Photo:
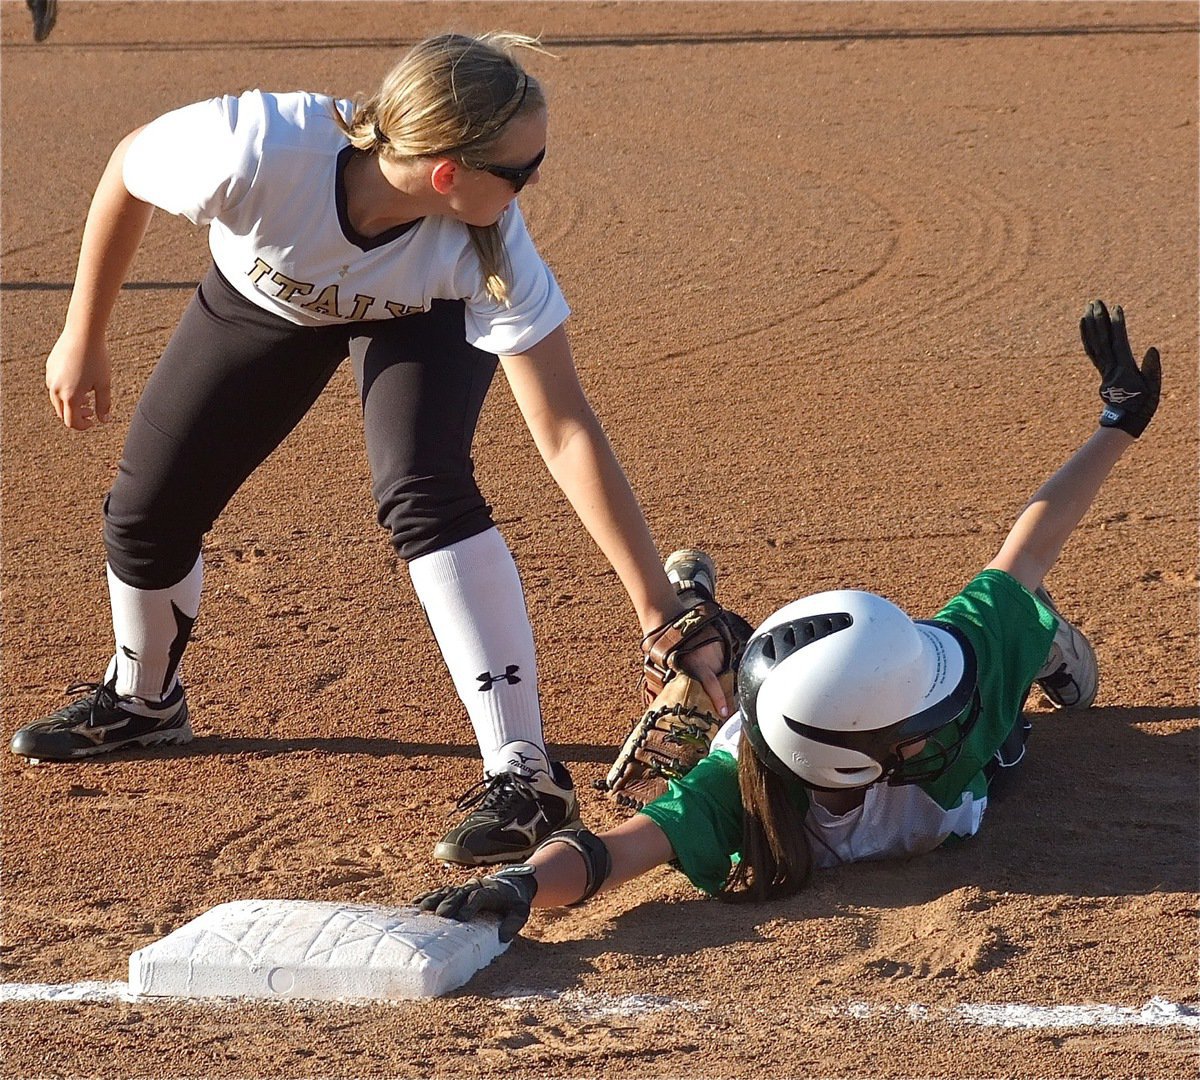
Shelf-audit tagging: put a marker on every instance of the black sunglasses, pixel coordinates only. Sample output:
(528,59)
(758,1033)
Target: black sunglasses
(518,177)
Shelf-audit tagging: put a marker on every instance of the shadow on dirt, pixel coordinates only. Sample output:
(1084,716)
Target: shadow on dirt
(1054,832)
(217,746)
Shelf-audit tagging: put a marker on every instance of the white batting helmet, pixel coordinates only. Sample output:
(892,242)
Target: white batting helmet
(833,686)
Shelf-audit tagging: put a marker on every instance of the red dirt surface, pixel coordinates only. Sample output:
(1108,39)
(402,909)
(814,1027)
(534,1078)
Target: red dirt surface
(826,263)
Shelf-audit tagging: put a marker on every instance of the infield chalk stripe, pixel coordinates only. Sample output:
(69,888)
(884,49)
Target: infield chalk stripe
(598,1006)
(1157,1012)
(80,991)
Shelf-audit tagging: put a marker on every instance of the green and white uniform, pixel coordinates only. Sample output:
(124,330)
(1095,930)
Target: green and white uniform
(1011,631)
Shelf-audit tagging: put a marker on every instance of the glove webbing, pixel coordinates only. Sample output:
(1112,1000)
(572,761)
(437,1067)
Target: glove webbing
(703,727)
(594,852)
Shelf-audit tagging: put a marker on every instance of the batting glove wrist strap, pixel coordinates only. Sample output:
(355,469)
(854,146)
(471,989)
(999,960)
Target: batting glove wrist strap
(520,879)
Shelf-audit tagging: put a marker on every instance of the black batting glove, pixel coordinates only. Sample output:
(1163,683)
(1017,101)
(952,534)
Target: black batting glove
(508,893)
(1130,393)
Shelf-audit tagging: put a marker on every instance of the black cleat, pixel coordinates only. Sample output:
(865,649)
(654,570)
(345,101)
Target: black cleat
(510,814)
(101,722)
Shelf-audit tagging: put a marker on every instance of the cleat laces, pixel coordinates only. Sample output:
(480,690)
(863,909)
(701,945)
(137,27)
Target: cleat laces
(102,695)
(504,792)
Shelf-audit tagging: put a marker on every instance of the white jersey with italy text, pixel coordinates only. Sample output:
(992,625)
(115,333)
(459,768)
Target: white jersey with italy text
(264,173)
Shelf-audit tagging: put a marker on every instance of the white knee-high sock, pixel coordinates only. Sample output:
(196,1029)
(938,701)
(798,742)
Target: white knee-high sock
(151,628)
(473,599)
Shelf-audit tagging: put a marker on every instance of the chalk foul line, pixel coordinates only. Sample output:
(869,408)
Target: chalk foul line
(1158,1012)
(79,991)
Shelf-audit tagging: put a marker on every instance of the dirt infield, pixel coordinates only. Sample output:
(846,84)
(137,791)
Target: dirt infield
(826,263)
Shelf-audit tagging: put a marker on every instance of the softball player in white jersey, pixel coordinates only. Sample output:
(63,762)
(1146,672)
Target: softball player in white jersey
(386,230)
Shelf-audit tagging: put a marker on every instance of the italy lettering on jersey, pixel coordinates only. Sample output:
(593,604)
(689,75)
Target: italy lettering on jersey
(327,300)
(265,173)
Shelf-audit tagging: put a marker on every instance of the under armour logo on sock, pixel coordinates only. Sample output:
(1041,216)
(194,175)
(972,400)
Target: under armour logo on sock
(509,675)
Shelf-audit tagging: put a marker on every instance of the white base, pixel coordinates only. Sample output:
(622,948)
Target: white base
(301,949)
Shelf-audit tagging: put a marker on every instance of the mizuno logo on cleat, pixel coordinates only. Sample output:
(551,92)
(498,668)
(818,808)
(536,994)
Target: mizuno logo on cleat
(525,764)
(98,733)
(529,829)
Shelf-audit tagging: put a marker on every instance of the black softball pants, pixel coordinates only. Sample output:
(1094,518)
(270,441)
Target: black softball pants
(234,381)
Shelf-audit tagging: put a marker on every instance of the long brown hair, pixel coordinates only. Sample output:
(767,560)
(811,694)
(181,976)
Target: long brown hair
(451,94)
(776,857)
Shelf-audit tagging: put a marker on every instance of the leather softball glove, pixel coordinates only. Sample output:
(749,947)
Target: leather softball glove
(669,739)
(664,650)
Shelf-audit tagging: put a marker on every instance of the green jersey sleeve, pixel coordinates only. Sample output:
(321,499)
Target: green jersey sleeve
(701,813)
(1011,632)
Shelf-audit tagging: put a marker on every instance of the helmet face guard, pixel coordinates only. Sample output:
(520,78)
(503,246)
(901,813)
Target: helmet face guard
(835,742)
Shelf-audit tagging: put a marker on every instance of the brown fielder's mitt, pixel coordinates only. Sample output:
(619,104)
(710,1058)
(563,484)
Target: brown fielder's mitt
(706,621)
(673,735)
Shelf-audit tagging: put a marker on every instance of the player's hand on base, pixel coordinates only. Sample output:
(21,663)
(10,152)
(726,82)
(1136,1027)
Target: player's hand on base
(508,893)
(79,382)
(1130,393)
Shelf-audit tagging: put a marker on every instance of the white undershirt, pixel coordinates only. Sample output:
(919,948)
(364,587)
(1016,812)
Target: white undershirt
(891,822)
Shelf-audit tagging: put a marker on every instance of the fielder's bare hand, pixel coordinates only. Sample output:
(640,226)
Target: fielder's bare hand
(78,378)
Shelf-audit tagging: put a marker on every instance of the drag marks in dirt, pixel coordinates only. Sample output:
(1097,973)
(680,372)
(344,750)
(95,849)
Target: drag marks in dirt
(992,239)
(278,845)
(554,215)
(574,1028)
(897,232)
(851,241)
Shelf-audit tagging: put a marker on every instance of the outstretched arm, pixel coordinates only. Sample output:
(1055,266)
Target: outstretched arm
(558,874)
(1130,395)
(580,458)
(635,847)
